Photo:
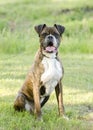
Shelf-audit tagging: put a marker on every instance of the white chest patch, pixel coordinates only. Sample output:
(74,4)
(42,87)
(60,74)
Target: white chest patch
(52,74)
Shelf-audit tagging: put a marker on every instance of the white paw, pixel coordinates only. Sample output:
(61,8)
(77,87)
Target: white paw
(65,117)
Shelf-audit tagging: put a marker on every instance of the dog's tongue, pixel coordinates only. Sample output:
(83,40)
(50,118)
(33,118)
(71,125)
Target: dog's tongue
(51,49)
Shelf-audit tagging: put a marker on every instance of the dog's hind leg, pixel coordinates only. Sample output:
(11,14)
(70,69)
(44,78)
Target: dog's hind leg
(19,104)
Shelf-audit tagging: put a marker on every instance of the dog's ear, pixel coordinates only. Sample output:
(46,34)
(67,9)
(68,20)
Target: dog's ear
(39,28)
(60,28)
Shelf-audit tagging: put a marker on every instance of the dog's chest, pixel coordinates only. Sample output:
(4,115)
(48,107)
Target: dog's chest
(52,74)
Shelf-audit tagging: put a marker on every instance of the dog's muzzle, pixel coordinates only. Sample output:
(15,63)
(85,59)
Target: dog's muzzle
(51,44)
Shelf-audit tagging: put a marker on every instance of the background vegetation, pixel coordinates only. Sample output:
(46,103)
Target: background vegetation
(17,20)
(19,43)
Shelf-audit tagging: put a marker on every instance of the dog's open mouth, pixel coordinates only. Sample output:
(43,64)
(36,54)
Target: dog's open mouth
(51,49)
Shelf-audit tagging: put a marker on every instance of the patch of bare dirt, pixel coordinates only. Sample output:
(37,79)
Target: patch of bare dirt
(85,9)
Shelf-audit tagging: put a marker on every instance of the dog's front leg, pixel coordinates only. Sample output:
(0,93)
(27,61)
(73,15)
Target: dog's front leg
(36,95)
(59,95)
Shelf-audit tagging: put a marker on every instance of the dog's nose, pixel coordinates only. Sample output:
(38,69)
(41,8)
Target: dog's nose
(50,38)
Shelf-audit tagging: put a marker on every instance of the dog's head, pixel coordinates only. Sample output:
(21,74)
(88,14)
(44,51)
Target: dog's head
(50,37)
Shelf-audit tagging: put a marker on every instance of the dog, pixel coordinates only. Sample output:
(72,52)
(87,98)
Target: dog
(45,75)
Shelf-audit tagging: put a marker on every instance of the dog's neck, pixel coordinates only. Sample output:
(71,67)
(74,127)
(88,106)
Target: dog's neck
(49,55)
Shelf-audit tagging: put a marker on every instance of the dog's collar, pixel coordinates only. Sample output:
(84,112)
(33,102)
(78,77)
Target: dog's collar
(49,55)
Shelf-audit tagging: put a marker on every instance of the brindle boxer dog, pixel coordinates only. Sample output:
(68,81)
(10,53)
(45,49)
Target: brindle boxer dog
(45,75)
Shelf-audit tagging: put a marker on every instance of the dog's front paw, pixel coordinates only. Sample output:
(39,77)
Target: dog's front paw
(39,118)
(65,117)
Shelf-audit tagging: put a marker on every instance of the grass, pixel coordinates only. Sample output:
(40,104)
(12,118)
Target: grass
(18,44)
(16,25)
(78,95)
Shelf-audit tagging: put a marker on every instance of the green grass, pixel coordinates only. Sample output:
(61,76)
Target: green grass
(17,21)
(18,44)
(78,95)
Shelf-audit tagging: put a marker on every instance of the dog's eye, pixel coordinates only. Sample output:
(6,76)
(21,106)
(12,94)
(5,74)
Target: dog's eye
(44,34)
(56,34)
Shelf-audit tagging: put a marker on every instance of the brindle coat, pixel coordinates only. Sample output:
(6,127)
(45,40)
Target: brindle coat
(31,90)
